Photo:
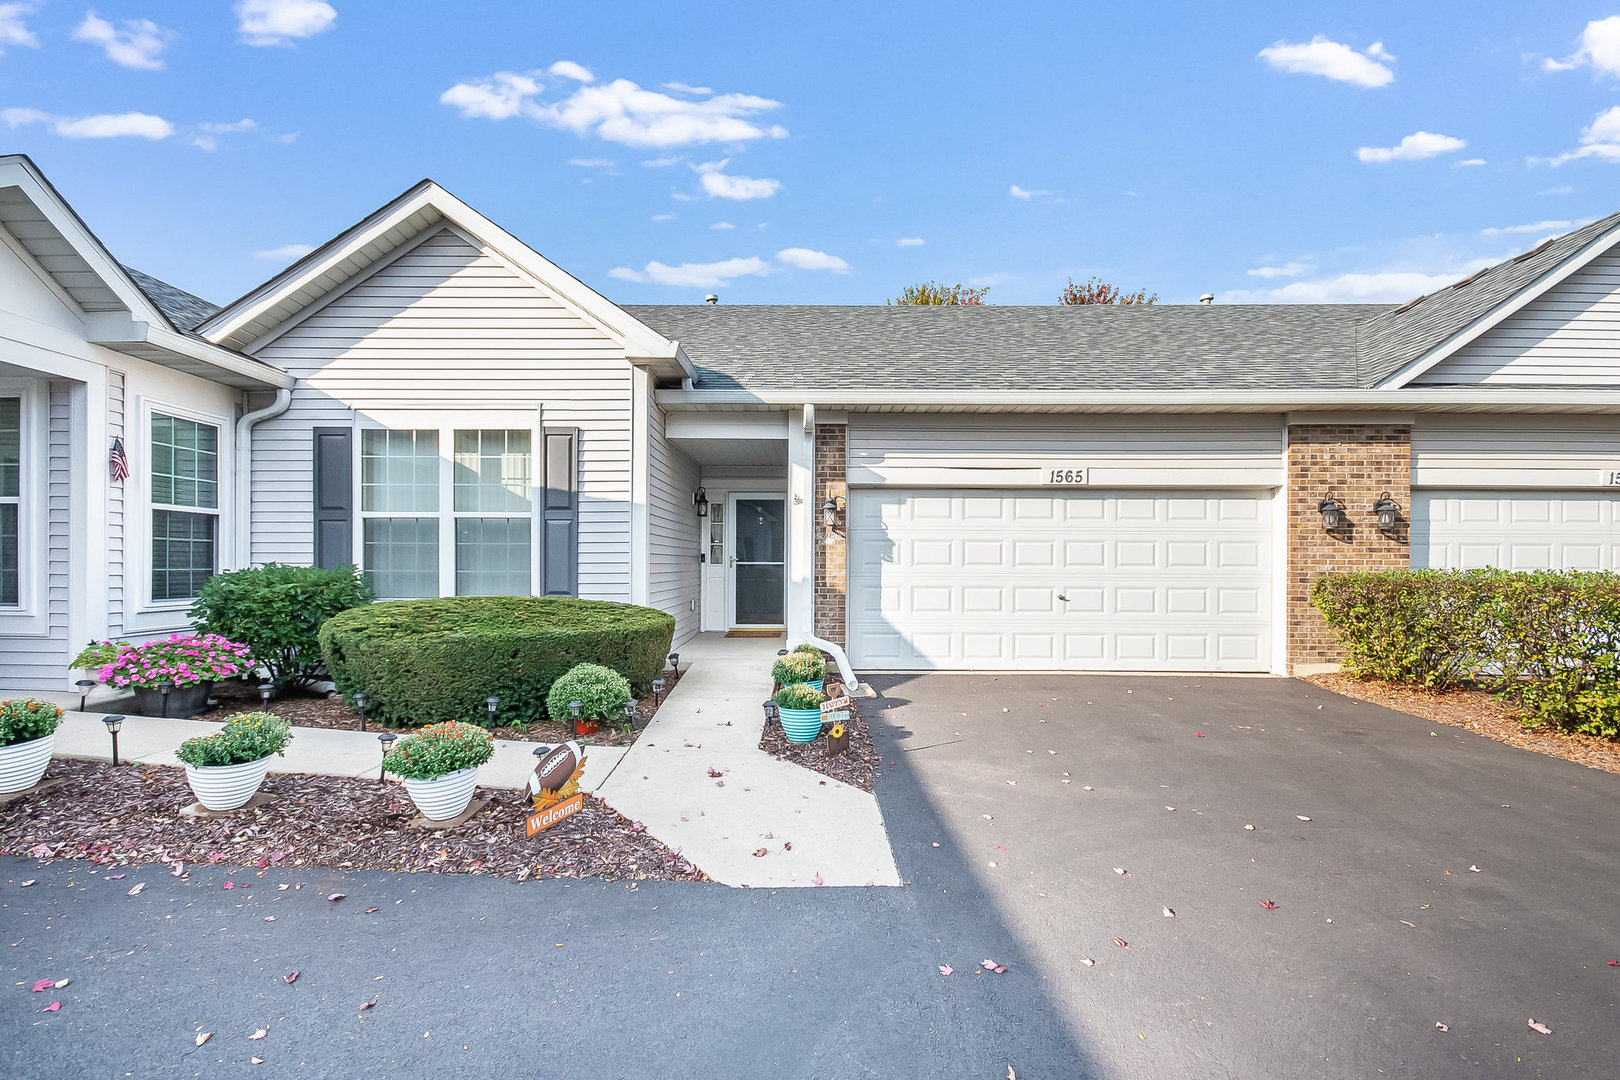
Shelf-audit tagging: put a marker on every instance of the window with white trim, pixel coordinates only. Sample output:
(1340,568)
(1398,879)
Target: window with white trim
(185,506)
(10,501)
(415,540)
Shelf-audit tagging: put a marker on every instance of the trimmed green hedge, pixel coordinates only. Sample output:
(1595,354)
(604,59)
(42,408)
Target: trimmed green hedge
(428,661)
(1547,641)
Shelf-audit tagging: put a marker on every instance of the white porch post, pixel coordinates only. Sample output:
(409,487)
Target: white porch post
(87,511)
(801,525)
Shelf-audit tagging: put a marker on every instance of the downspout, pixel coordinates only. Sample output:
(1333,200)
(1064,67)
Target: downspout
(244,473)
(847,673)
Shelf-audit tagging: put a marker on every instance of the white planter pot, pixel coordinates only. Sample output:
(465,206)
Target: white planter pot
(226,787)
(22,764)
(443,797)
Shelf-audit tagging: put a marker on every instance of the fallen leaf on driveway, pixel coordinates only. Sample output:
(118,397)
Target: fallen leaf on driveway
(1121,871)
(1248,828)
(136,891)
(815,879)
(1120,942)
(255,1061)
(945,969)
(1171,809)
(261,1033)
(1302,817)
(1198,734)
(1088,961)
(204,1036)
(52,1007)
(760,853)
(722,783)
(713,772)
(991,965)
(62,982)
(44,984)
(1169,913)
(364,1005)
(177,869)
(369,910)
(335,896)
(1535,1025)
(229,885)
(290,978)
(269,918)
(1475,870)
(1440,1027)
(1269,905)
(936,843)
(1614,963)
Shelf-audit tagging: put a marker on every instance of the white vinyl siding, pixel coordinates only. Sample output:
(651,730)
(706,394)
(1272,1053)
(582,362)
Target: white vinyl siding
(674,577)
(1514,451)
(1059,580)
(1516,530)
(448,326)
(1569,336)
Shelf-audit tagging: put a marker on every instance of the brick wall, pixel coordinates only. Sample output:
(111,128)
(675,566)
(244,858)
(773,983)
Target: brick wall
(831,543)
(1355,463)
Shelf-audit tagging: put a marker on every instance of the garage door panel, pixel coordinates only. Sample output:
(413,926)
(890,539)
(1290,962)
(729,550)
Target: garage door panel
(1516,530)
(1148,580)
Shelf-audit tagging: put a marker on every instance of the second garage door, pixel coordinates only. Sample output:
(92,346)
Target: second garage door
(1060,580)
(1515,530)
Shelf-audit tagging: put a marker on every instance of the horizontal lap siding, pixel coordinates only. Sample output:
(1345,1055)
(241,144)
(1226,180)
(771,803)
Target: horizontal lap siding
(674,544)
(449,325)
(1568,337)
(1557,451)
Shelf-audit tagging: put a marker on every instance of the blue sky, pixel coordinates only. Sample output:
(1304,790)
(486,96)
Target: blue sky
(834,152)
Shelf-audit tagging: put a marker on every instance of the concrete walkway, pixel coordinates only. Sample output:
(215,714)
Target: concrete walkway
(323,751)
(712,721)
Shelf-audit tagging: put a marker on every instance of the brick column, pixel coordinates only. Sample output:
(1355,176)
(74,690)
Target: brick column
(831,543)
(1354,463)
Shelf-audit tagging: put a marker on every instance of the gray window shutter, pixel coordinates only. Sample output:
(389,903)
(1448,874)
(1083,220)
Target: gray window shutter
(334,497)
(559,515)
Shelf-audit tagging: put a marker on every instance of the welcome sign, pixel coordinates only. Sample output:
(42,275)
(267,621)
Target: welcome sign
(554,813)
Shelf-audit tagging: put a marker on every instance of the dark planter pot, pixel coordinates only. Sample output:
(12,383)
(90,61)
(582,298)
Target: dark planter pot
(183,701)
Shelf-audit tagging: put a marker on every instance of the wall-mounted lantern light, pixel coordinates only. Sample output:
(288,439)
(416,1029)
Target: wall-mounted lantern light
(831,508)
(1332,512)
(1388,511)
(700,499)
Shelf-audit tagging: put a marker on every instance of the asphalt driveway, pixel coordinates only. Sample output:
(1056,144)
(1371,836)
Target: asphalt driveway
(1382,928)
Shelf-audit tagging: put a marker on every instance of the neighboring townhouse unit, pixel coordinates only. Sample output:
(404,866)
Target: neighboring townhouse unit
(1015,488)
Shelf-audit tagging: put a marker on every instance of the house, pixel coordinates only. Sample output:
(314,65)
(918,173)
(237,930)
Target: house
(1013,488)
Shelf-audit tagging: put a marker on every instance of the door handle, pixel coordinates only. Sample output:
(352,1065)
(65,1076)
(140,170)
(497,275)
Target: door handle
(733,561)
(1063,598)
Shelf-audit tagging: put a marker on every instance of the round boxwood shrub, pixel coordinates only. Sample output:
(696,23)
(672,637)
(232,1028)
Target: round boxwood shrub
(799,667)
(601,693)
(430,661)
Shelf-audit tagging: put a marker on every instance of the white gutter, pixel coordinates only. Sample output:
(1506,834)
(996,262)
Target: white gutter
(1483,399)
(244,473)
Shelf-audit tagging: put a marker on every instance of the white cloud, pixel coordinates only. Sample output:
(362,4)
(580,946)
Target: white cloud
(722,226)
(1022,193)
(683,88)
(810,259)
(284,253)
(719,185)
(13,30)
(138,45)
(663,162)
(694,275)
(1387,287)
(1415,147)
(1292,269)
(1564,190)
(1468,163)
(277,22)
(591,163)
(663,217)
(1599,139)
(1600,48)
(206,135)
(1533,227)
(910,241)
(567,69)
(103,126)
(619,111)
(1332,60)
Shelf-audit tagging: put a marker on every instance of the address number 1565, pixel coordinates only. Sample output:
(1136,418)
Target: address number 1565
(1057,474)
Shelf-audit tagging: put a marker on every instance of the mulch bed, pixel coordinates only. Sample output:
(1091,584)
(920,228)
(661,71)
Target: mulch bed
(856,767)
(131,814)
(1480,712)
(306,708)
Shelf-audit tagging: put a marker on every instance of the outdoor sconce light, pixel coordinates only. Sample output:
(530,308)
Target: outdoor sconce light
(166,687)
(675,662)
(494,703)
(700,499)
(1332,512)
(85,686)
(265,690)
(574,708)
(1389,514)
(113,722)
(387,739)
(658,690)
(831,508)
(360,707)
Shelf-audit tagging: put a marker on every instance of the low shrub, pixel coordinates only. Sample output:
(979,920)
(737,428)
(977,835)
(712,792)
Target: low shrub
(799,696)
(805,646)
(600,691)
(277,610)
(798,667)
(27,719)
(244,737)
(438,750)
(429,661)
(1548,641)
(186,659)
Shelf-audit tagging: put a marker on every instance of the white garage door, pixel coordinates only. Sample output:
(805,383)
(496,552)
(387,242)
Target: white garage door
(1071,580)
(1515,530)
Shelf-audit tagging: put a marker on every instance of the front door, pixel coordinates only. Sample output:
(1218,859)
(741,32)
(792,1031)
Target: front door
(758,561)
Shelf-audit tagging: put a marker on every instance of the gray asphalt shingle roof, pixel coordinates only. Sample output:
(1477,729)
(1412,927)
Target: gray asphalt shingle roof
(183,309)
(1275,346)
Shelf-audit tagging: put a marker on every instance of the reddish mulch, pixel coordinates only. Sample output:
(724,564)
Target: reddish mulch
(130,814)
(856,767)
(305,708)
(1480,712)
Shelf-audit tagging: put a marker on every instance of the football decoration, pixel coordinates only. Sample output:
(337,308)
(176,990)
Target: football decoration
(556,774)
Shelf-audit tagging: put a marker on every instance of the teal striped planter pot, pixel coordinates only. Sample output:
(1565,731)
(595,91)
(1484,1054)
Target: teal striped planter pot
(817,684)
(800,725)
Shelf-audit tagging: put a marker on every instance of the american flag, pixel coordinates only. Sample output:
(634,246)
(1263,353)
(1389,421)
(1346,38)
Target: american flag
(118,462)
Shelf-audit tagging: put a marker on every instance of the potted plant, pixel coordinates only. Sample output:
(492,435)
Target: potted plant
(600,691)
(798,706)
(800,667)
(227,767)
(187,665)
(95,656)
(439,766)
(27,734)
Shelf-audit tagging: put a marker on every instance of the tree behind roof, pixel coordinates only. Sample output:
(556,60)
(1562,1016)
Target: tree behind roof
(933,294)
(1097,291)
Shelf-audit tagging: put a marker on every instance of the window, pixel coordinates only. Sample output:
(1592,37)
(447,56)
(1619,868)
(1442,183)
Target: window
(485,524)
(185,506)
(10,500)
